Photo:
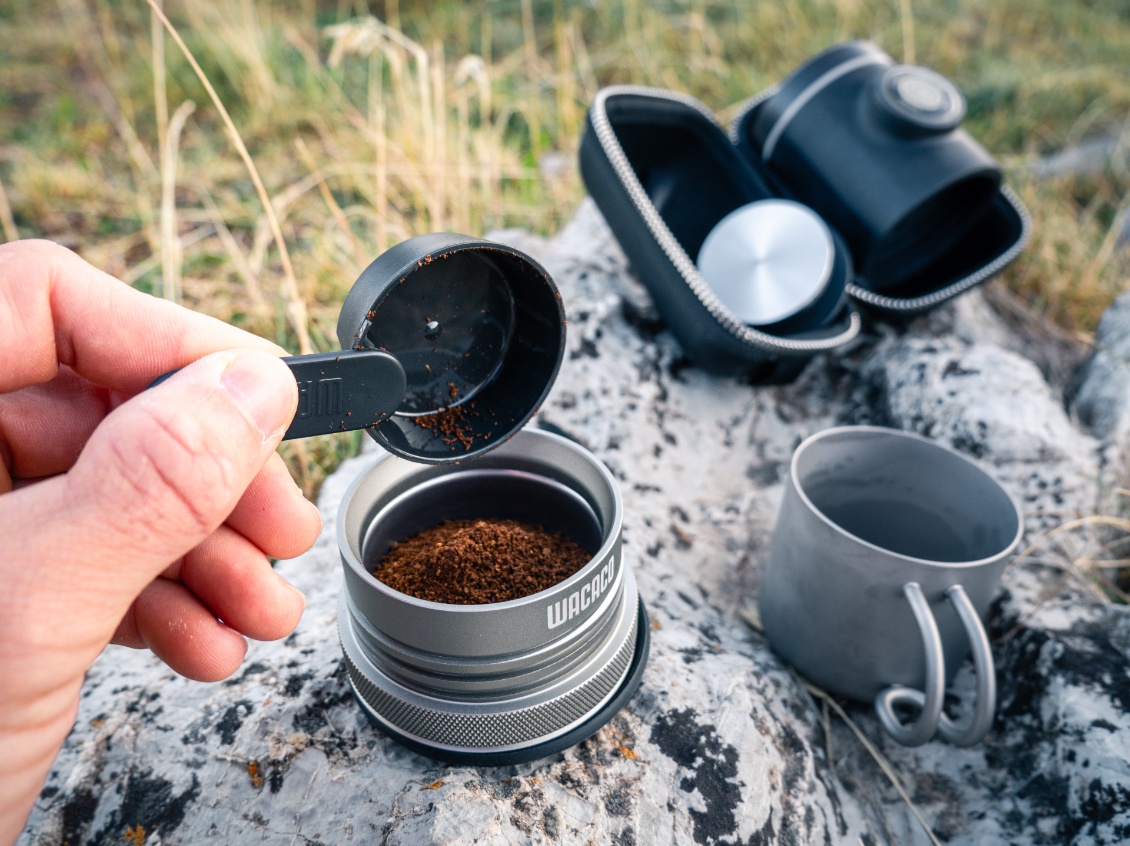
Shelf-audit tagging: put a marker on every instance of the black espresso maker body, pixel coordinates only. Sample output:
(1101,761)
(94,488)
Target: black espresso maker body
(877,150)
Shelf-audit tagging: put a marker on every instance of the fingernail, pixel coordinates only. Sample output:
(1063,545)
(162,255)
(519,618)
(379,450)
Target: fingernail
(234,636)
(321,520)
(293,588)
(258,383)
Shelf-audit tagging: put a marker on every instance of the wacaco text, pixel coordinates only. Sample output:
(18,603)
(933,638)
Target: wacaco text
(566,609)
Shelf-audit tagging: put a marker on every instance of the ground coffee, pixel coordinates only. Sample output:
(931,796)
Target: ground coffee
(451,425)
(473,562)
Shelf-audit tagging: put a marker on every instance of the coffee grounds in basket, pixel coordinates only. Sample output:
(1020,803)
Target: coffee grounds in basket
(473,562)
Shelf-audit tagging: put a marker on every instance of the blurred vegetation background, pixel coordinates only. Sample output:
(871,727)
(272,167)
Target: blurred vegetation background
(368,122)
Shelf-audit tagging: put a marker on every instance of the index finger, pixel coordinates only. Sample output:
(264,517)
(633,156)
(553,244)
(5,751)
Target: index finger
(58,309)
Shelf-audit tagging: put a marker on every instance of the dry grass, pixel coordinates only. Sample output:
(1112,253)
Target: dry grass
(364,125)
(829,703)
(1091,551)
(828,706)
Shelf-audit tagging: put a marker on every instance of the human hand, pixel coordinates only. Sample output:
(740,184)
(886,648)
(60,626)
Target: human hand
(143,519)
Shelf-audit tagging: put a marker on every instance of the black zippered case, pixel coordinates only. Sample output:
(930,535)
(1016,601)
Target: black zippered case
(663,172)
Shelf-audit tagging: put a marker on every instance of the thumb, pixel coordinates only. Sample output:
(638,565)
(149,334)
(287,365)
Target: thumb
(164,470)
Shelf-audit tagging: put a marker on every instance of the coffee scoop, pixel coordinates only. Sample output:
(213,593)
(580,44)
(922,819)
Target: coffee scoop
(450,344)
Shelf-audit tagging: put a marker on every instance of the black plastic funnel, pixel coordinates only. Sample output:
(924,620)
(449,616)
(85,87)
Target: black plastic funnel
(479,330)
(450,345)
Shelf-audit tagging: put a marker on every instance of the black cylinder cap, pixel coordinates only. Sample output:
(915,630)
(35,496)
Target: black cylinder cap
(479,329)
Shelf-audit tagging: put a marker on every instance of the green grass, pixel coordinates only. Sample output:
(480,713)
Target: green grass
(365,133)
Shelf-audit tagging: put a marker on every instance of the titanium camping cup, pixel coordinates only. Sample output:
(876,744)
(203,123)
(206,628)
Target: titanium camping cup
(478,329)
(887,550)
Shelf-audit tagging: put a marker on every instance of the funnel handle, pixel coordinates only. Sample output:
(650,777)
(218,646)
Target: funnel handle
(340,391)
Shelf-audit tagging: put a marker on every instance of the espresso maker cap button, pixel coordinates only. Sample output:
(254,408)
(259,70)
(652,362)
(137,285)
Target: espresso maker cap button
(921,98)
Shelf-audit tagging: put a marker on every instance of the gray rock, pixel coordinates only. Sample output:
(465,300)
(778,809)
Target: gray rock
(1102,398)
(1087,158)
(723,744)
(1106,152)
(991,404)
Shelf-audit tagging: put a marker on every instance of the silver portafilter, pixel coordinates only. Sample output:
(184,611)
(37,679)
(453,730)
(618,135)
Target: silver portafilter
(503,682)
(479,331)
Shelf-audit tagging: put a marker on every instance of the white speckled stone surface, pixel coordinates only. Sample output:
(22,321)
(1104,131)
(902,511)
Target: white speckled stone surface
(722,744)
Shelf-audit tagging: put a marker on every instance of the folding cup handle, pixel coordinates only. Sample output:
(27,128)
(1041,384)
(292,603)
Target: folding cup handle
(930,702)
(932,718)
(973,729)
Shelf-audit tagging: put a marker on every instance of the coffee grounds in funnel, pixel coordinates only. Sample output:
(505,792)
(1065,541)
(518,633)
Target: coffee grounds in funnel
(474,562)
(451,425)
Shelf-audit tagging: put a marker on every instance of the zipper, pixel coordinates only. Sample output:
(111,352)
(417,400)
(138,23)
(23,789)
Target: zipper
(674,250)
(983,274)
(909,305)
(747,107)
